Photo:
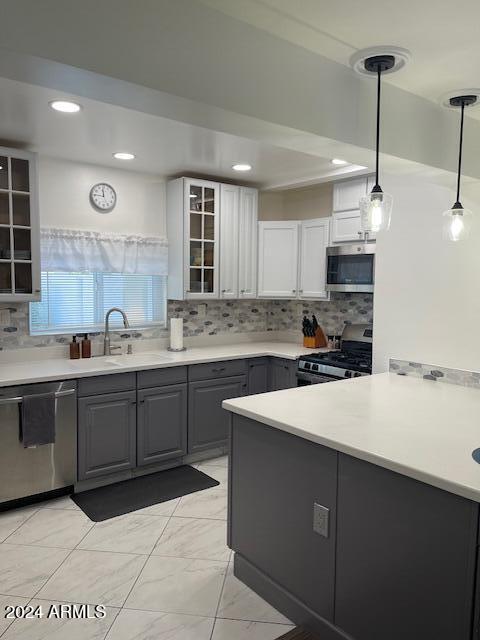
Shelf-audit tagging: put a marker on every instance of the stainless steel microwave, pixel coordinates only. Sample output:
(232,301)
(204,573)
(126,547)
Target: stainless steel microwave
(351,267)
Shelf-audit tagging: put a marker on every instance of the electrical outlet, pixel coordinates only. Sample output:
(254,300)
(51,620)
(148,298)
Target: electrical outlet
(5,317)
(202,311)
(320,519)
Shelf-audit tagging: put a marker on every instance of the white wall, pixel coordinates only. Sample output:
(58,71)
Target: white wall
(427,302)
(296,204)
(64,189)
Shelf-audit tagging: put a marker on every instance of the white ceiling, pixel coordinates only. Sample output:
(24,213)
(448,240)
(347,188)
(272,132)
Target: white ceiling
(443,36)
(162,146)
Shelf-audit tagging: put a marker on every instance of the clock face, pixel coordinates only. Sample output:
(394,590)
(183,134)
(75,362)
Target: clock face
(103,197)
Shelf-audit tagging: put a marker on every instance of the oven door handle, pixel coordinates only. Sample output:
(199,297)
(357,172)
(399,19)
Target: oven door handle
(19,399)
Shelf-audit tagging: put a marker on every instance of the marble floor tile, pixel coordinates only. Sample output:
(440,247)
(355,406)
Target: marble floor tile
(243,630)
(53,528)
(11,520)
(130,533)
(178,585)
(149,625)
(161,509)
(221,461)
(217,473)
(13,601)
(65,502)
(94,576)
(209,503)
(239,602)
(23,570)
(51,628)
(194,538)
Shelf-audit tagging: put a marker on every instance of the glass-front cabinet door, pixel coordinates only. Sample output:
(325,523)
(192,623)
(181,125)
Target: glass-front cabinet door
(19,233)
(202,229)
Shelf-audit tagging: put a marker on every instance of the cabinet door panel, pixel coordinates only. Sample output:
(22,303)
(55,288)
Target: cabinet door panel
(258,376)
(347,194)
(208,423)
(229,239)
(106,434)
(392,531)
(276,479)
(313,258)
(162,424)
(346,226)
(278,259)
(247,241)
(282,374)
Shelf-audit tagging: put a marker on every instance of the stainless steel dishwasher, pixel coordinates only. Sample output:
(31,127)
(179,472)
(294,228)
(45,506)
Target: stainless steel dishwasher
(30,472)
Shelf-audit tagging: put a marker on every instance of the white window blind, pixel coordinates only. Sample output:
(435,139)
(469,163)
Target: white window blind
(76,302)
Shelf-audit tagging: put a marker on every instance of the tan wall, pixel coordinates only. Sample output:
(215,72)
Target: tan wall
(296,204)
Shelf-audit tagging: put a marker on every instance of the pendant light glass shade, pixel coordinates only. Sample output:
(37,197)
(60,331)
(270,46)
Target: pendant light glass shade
(375,211)
(456,224)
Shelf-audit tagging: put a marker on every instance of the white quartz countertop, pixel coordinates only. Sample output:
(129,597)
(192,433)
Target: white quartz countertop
(423,429)
(63,369)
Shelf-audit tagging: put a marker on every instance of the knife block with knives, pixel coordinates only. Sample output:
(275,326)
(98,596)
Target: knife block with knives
(313,335)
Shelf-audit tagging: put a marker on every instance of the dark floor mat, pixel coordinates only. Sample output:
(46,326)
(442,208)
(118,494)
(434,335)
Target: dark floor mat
(127,496)
(299,633)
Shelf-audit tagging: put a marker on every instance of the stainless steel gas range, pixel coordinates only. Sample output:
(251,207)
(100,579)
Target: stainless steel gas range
(353,360)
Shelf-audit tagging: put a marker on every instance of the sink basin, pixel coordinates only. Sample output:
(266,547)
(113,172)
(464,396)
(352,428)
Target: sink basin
(136,359)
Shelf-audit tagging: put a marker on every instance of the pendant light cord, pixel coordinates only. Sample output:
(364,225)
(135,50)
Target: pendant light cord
(377,152)
(460,150)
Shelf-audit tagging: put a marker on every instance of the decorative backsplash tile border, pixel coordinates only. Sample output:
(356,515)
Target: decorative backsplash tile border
(435,373)
(212,318)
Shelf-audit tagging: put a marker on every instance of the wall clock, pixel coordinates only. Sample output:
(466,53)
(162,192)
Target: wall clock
(103,197)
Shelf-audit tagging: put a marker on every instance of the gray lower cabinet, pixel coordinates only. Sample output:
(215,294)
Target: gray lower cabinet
(276,479)
(399,558)
(406,555)
(258,375)
(208,423)
(282,374)
(161,424)
(106,434)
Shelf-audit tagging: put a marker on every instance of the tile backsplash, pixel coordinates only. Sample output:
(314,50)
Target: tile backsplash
(435,373)
(212,318)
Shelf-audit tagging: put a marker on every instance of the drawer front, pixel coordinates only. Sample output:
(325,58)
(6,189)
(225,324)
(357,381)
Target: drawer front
(111,383)
(161,377)
(212,370)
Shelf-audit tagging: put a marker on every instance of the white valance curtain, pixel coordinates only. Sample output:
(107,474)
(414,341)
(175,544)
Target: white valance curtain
(72,250)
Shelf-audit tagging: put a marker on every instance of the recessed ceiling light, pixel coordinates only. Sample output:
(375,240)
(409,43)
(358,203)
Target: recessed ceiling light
(123,155)
(241,166)
(338,161)
(65,106)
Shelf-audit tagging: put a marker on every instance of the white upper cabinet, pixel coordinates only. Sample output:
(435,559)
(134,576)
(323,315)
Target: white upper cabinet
(247,243)
(347,194)
(19,227)
(212,236)
(193,235)
(346,226)
(278,259)
(314,240)
(229,240)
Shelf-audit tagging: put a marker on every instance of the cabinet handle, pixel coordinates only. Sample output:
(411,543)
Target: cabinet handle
(219,370)
(294,291)
(242,290)
(301,291)
(360,233)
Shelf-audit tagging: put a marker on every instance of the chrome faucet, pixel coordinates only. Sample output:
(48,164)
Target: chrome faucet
(107,349)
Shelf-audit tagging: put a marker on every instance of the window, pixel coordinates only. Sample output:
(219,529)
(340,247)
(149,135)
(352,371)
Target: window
(77,302)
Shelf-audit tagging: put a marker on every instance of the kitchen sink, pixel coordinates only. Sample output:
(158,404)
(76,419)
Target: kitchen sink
(136,359)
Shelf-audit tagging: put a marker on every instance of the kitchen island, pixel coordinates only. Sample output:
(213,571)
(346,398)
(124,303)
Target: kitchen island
(354,506)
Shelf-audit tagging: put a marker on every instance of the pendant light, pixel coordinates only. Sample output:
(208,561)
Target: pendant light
(376,207)
(456,221)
